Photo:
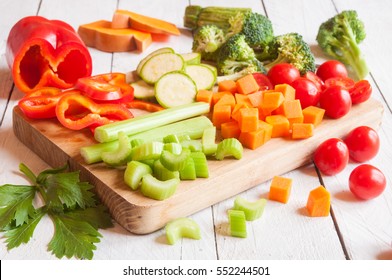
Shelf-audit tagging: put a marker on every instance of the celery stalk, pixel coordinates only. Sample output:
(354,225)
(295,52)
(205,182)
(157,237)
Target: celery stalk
(174,162)
(188,172)
(182,227)
(121,155)
(174,148)
(162,173)
(193,127)
(253,210)
(134,172)
(201,165)
(149,150)
(108,132)
(171,138)
(208,141)
(156,189)
(193,145)
(237,223)
(229,147)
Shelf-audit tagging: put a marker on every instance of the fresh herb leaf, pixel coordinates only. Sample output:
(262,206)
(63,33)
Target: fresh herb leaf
(88,196)
(98,216)
(16,203)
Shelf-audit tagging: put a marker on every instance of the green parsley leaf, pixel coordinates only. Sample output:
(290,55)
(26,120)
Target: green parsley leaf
(16,203)
(98,216)
(88,196)
(73,237)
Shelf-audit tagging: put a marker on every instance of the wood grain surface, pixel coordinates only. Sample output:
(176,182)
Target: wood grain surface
(138,214)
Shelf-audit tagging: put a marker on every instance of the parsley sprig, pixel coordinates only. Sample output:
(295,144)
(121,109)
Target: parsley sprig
(73,208)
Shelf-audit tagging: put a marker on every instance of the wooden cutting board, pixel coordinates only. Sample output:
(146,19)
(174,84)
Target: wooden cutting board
(138,214)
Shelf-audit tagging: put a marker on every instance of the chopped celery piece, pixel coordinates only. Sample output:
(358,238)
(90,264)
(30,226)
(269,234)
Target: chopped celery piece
(171,138)
(193,145)
(188,172)
(229,147)
(136,142)
(108,132)
(174,148)
(156,189)
(253,210)
(149,150)
(182,227)
(134,172)
(149,162)
(172,161)
(237,223)
(193,128)
(184,137)
(162,173)
(208,141)
(121,155)
(201,165)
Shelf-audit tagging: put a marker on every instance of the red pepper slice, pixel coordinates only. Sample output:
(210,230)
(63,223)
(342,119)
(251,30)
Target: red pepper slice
(110,87)
(76,111)
(41,103)
(44,52)
(144,105)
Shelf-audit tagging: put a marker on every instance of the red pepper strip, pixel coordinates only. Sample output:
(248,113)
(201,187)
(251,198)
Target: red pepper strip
(41,103)
(144,105)
(42,52)
(76,111)
(111,87)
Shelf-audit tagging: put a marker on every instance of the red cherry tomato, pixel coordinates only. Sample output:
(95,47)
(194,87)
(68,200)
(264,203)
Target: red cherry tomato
(306,91)
(283,73)
(363,143)
(331,156)
(316,80)
(263,81)
(361,92)
(331,69)
(344,82)
(336,101)
(367,182)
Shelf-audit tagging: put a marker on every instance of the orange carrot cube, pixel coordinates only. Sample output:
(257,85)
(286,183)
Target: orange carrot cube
(313,114)
(280,189)
(271,101)
(319,202)
(230,130)
(227,99)
(248,119)
(292,110)
(247,84)
(280,125)
(221,114)
(302,130)
(287,91)
(204,96)
(243,99)
(218,95)
(227,85)
(256,98)
(235,115)
(252,140)
(267,130)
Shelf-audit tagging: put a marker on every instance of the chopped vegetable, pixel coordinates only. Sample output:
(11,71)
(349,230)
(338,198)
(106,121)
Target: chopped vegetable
(172,147)
(280,189)
(207,41)
(201,164)
(221,114)
(248,119)
(208,141)
(228,85)
(174,162)
(230,130)
(287,91)
(292,110)
(253,139)
(192,58)
(150,55)
(247,84)
(204,96)
(149,121)
(253,210)
(159,190)
(271,101)
(302,130)
(202,75)
(237,222)
(182,227)
(144,105)
(162,173)
(319,202)
(280,125)
(134,173)
(188,172)
(313,115)
(120,156)
(229,147)
(226,99)
(148,150)
(143,91)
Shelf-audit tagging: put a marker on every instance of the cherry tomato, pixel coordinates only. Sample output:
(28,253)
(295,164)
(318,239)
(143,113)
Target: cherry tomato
(283,73)
(344,82)
(363,143)
(361,92)
(263,81)
(331,156)
(316,80)
(306,91)
(336,101)
(367,182)
(331,69)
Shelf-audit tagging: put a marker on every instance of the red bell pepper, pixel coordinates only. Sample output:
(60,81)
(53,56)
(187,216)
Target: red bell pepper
(41,103)
(111,87)
(76,111)
(42,52)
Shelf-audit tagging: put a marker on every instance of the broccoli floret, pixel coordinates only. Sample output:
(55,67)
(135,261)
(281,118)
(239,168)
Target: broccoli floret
(207,41)
(289,48)
(339,38)
(257,29)
(236,55)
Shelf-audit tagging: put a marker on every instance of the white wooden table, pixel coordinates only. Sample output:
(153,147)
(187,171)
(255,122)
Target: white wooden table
(356,230)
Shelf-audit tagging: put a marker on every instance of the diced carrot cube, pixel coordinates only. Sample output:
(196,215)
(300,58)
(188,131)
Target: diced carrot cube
(256,98)
(249,119)
(313,114)
(292,110)
(243,99)
(319,202)
(280,189)
(221,114)
(267,129)
(235,115)
(218,95)
(230,130)
(227,99)
(252,140)
(247,84)
(280,125)
(227,85)
(271,101)
(287,91)
(204,96)
(302,130)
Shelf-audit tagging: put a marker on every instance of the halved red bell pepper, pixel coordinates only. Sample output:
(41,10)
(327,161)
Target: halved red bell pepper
(111,87)
(41,103)
(76,111)
(42,52)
